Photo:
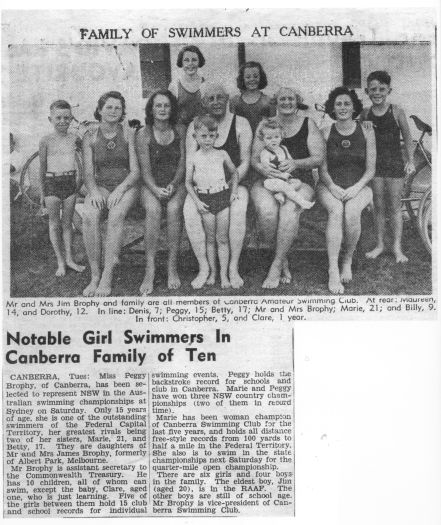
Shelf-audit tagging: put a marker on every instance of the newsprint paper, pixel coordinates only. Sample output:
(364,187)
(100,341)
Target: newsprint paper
(208,214)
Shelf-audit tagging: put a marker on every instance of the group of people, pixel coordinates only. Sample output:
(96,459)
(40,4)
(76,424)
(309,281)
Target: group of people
(201,156)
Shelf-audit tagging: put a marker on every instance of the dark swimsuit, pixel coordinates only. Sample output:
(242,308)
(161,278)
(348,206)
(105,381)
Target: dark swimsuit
(111,159)
(297,146)
(164,159)
(346,156)
(189,104)
(387,136)
(61,185)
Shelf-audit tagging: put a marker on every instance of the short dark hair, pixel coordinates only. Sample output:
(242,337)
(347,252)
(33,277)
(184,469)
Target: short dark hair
(342,90)
(149,119)
(190,49)
(60,104)
(104,98)
(381,76)
(263,81)
(206,121)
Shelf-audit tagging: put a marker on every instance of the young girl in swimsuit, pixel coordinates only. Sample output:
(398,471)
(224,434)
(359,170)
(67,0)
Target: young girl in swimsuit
(187,89)
(212,195)
(389,121)
(252,103)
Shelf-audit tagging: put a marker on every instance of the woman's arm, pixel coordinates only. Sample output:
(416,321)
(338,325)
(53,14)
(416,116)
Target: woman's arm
(96,198)
(245,138)
(142,143)
(234,175)
(316,148)
(371,156)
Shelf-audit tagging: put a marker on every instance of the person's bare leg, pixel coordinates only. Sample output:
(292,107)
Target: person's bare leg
(334,236)
(53,205)
(379,187)
(223,245)
(115,225)
(287,231)
(174,231)
(279,185)
(152,230)
(196,235)
(352,224)
(237,231)
(209,221)
(66,224)
(267,211)
(93,242)
(394,189)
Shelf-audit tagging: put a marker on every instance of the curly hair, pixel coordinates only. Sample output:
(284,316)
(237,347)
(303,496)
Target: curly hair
(381,76)
(190,49)
(268,123)
(299,98)
(263,81)
(149,119)
(342,90)
(104,98)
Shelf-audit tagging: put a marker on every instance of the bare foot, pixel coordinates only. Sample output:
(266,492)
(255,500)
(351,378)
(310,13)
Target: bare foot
(346,272)
(373,254)
(90,289)
(74,266)
(225,283)
(105,287)
(335,286)
(400,257)
(236,280)
(273,278)
(146,287)
(201,278)
(173,280)
(211,279)
(286,274)
(280,198)
(61,270)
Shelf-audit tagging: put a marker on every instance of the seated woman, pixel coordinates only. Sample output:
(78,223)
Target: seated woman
(160,147)
(277,220)
(347,169)
(111,173)
(187,88)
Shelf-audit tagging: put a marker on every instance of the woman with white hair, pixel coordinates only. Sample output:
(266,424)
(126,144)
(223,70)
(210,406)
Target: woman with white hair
(280,221)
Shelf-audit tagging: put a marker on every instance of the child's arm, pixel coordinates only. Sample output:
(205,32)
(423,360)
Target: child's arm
(407,137)
(42,152)
(96,198)
(264,169)
(201,207)
(368,175)
(132,177)
(228,163)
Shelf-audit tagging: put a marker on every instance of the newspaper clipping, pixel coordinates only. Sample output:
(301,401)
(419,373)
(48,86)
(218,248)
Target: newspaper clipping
(187,190)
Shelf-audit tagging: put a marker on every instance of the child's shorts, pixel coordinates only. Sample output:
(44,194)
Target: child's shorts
(216,201)
(60,185)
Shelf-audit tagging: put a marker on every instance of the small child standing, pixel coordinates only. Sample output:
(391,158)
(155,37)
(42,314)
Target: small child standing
(271,134)
(208,187)
(389,121)
(59,181)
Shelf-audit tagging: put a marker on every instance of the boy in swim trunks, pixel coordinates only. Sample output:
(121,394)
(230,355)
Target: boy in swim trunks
(390,123)
(212,194)
(271,134)
(59,182)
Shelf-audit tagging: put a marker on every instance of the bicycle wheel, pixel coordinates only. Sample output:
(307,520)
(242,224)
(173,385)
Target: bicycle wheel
(425,220)
(414,188)
(30,178)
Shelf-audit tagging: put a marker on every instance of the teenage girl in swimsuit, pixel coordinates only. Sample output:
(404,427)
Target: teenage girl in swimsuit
(187,88)
(111,174)
(160,148)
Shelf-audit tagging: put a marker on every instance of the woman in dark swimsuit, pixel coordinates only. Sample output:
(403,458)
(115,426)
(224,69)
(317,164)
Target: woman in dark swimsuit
(111,173)
(344,175)
(160,147)
(281,221)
